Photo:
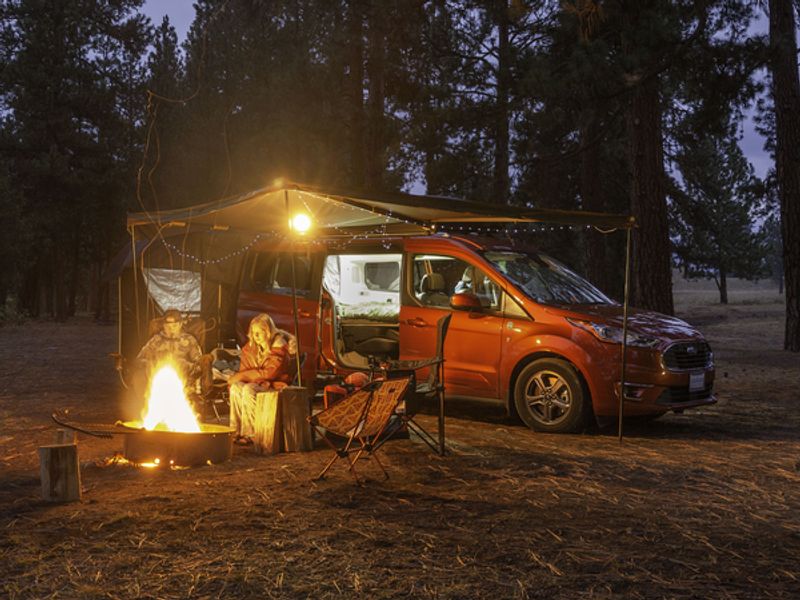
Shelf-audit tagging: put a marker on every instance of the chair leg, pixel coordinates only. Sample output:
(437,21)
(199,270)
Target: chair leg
(374,454)
(422,434)
(328,466)
(353,464)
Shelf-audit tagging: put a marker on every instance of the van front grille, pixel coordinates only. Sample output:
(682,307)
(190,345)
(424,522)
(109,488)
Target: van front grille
(687,356)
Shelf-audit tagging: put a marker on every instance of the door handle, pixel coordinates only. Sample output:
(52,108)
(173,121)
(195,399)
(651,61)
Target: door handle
(417,322)
(304,313)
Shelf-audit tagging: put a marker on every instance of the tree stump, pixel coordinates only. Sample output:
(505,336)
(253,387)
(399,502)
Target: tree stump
(60,472)
(267,439)
(295,410)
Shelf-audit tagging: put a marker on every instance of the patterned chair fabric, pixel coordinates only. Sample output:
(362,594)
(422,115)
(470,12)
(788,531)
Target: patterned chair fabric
(362,418)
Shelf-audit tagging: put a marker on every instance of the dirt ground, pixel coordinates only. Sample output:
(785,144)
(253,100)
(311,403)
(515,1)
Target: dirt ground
(700,505)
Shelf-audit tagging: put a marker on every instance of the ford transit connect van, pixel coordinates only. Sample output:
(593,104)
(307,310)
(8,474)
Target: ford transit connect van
(526,332)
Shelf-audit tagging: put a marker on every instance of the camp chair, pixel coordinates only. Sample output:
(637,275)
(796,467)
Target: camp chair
(432,387)
(361,418)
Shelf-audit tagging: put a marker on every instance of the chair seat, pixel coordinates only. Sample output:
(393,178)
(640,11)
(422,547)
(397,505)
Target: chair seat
(361,419)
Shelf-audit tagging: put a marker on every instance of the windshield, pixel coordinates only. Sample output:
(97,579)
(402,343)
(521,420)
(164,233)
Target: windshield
(545,280)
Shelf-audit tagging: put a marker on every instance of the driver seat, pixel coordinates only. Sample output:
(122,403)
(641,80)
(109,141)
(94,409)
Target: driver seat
(432,288)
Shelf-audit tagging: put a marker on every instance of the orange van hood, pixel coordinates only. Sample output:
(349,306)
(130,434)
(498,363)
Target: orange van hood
(648,323)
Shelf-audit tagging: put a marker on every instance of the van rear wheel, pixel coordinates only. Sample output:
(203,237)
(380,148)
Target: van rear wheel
(549,396)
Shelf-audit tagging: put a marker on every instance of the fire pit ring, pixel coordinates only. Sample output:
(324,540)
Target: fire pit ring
(213,444)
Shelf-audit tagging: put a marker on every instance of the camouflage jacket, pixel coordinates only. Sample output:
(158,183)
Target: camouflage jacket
(183,350)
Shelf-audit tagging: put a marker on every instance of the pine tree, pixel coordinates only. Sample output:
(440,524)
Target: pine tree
(714,211)
(65,83)
(786,99)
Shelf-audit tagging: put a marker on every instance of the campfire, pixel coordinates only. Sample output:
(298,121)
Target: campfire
(167,408)
(169,432)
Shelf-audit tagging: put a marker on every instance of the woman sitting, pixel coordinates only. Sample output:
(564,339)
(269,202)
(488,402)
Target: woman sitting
(264,365)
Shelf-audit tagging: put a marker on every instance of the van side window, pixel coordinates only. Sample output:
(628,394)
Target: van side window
(272,272)
(437,277)
(282,274)
(260,273)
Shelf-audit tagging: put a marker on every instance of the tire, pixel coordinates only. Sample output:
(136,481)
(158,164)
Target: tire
(549,396)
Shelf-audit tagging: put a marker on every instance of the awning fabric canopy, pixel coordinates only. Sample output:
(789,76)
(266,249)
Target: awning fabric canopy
(336,212)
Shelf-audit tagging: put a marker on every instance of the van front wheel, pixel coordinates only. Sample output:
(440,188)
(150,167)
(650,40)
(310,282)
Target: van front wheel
(549,396)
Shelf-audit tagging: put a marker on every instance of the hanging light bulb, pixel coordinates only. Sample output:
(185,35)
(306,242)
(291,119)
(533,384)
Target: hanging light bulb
(300,223)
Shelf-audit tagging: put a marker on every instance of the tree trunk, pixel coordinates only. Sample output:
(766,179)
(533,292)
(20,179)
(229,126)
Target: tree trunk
(356,93)
(593,200)
(501,150)
(74,277)
(652,272)
(723,286)
(376,64)
(786,96)
(60,289)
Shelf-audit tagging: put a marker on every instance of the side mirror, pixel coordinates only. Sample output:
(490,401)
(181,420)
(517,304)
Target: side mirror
(465,301)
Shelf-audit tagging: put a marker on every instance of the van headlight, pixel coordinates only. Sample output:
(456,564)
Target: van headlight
(613,335)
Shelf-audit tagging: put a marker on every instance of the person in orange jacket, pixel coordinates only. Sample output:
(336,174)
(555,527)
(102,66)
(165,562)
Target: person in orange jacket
(265,362)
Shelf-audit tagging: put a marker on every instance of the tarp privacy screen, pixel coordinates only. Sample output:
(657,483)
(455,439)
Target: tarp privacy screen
(196,272)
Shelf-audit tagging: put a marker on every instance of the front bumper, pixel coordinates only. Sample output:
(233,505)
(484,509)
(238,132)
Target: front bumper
(653,391)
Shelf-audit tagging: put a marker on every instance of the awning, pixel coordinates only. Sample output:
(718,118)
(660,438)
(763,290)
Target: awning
(337,212)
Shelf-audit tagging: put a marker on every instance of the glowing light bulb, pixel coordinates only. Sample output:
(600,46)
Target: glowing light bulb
(300,223)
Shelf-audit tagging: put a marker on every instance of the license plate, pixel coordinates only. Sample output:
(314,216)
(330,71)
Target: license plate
(697,381)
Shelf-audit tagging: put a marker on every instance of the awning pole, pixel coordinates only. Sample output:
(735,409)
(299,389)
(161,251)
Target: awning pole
(294,293)
(625,330)
(440,366)
(135,283)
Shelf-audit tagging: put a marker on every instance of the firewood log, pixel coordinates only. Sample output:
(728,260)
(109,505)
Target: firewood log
(60,472)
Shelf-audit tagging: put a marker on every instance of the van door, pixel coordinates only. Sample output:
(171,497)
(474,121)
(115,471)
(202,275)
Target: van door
(473,344)
(267,288)
(361,302)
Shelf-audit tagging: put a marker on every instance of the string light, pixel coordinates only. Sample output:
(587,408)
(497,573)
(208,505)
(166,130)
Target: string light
(531,228)
(380,229)
(214,261)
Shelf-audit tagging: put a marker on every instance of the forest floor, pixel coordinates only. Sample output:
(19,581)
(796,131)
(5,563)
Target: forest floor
(700,505)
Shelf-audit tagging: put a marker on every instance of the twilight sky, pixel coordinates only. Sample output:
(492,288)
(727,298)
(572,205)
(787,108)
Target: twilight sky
(181,14)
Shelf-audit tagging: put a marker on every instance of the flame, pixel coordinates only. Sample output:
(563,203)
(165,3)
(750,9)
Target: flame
(167,407)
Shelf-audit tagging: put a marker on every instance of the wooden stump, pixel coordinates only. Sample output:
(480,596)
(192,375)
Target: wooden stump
(60,471)
(294,419)
(267,439)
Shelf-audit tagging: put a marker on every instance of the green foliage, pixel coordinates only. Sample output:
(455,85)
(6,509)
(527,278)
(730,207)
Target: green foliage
(714,209)
(71,79)
(103,114)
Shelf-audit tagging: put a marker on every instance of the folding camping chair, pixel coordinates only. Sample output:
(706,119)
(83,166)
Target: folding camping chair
(432,387)
(362,418)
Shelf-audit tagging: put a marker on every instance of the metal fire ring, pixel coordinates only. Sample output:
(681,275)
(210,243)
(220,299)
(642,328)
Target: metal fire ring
(213,444)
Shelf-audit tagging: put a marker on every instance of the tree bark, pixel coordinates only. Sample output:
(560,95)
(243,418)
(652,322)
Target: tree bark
(376,65)
(501,150)
(723,286)
(593,200)
(74,277)
(786,97)
(652,271)
(356,93)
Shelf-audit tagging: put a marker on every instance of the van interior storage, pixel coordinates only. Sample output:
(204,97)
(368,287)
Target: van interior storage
(365,289)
